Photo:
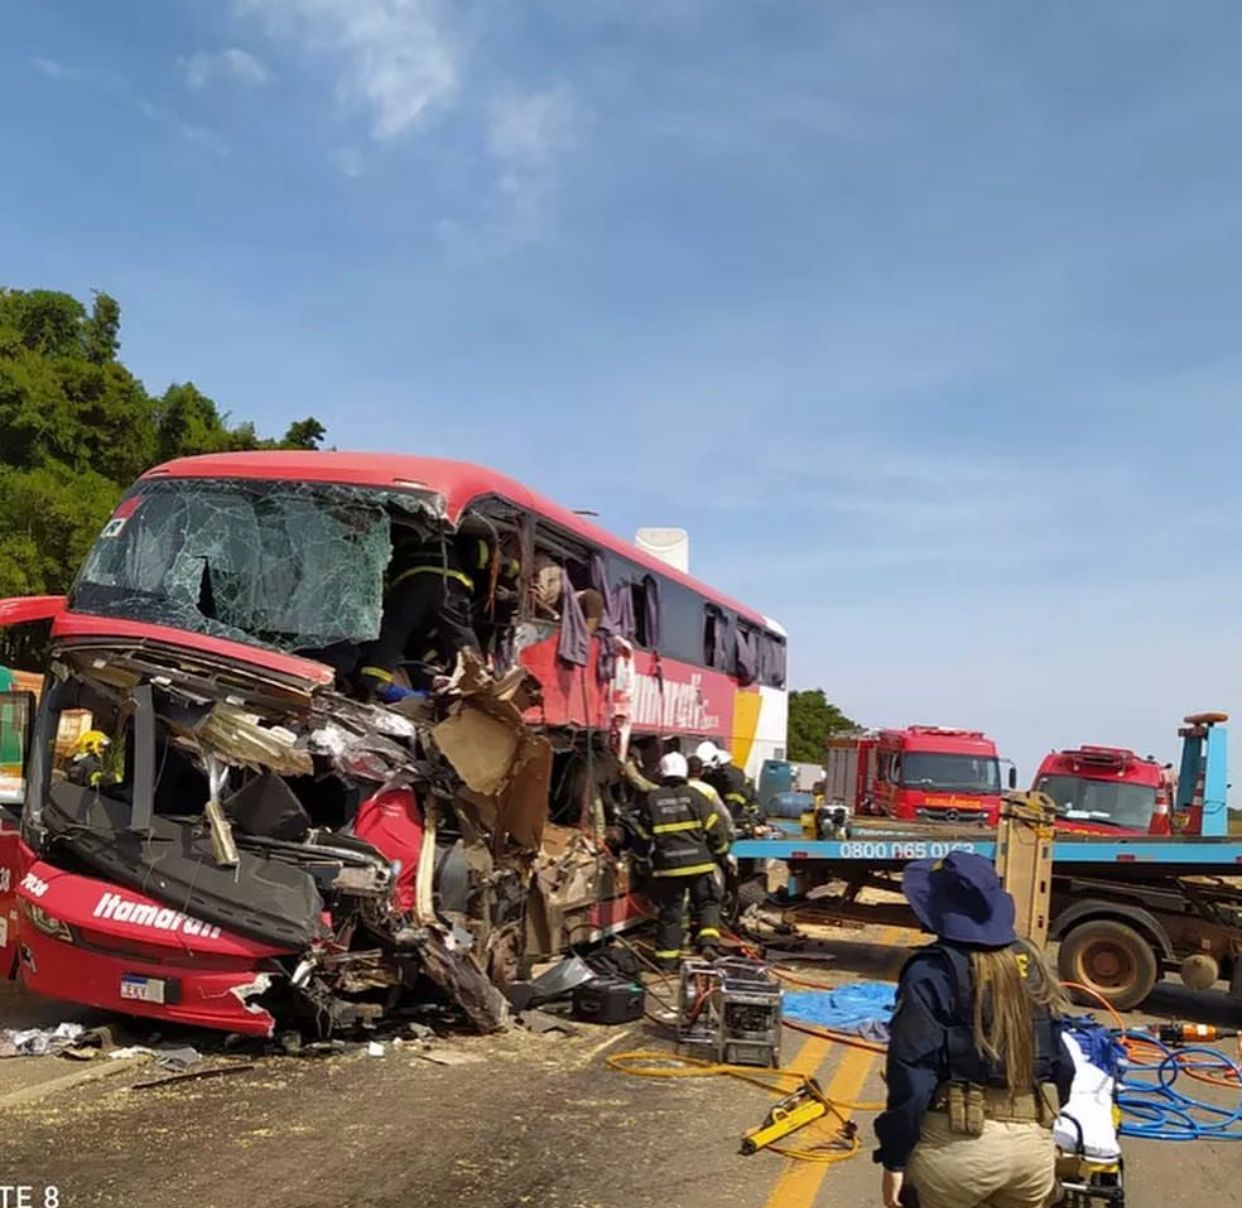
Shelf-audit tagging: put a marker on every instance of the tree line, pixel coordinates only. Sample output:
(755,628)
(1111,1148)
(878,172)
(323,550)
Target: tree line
(77,427)
(812,719)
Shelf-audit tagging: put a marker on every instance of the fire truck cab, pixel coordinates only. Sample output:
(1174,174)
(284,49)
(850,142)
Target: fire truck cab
(920,773)
(1108,786)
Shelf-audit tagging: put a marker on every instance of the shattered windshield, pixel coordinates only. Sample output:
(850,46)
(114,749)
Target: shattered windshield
(292,565)
(1129,805)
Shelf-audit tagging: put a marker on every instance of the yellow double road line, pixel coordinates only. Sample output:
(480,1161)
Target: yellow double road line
(799,1182)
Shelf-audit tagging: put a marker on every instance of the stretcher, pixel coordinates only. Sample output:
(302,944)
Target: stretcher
(1090,1168)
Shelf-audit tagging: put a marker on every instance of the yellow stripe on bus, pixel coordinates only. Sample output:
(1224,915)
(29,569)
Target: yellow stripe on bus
(746,705)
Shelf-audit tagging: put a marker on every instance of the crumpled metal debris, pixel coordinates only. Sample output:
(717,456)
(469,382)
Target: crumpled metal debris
(240,737)
(39,1042)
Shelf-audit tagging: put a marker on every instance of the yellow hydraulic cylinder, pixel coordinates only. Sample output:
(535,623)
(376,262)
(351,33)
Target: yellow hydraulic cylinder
(790,1114)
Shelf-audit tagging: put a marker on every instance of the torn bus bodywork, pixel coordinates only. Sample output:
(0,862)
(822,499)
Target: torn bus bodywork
(255,845)
(256,849)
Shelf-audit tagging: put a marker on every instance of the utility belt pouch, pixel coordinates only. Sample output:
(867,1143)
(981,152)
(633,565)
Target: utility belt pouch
(955,1106)
(1047,1103)
(975,1113)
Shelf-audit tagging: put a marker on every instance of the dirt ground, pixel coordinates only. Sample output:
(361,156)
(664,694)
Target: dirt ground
(530,1121)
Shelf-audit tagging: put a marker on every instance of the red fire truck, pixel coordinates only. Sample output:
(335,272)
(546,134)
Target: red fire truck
(923,773)
(1097,787)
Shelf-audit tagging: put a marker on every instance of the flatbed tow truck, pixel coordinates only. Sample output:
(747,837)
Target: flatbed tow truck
(1126,909)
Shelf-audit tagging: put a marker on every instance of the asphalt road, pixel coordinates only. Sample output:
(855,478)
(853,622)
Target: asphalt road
(529,1120)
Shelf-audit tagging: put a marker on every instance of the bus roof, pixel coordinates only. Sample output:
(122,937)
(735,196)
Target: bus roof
(459,483)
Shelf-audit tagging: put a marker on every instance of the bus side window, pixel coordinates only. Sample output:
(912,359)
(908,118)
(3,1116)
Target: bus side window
(16,718)
(646,596)
(719,648)
(772,660)
(747,654)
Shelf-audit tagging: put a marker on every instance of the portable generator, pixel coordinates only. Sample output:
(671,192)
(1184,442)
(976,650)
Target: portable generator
(730,1010)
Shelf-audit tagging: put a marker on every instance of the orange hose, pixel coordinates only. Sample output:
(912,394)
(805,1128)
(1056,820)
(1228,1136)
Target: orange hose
(1146,1052)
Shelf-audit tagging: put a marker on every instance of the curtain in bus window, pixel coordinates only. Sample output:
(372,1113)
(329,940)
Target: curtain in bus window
(606,662)
(618,616)
(772,669)
(724,640)
(575,642)
(651,609)
(747,654)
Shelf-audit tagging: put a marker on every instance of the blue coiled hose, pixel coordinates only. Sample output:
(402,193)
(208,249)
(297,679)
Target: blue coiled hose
(1154,1108)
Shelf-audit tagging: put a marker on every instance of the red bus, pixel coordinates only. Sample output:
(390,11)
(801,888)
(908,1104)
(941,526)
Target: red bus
(212,866)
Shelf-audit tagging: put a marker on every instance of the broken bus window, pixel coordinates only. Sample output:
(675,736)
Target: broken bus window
(285,564)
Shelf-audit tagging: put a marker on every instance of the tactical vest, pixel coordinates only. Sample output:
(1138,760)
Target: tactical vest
(963,1063)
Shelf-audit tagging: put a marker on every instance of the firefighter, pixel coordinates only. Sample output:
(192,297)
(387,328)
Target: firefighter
(88,764)
(977,1068)
(733,785)
(687,838)
(696,771)
(427,609)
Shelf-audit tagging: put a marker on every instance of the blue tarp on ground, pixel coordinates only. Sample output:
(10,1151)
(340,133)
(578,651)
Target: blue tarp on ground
(861,1007)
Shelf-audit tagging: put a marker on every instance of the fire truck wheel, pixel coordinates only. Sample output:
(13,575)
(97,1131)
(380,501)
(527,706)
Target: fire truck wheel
(1111,959)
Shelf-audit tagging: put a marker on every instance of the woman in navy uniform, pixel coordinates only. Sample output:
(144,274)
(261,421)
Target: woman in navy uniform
(976,1068)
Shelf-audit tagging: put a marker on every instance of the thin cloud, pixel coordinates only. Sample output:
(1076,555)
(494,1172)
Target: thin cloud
(109,84)
(58,71)
(394,58)
(204,67)
(526,130)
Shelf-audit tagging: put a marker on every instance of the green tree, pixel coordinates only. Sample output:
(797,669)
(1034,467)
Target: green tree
(103,329)
(812,718)
(76,428)
(304,434)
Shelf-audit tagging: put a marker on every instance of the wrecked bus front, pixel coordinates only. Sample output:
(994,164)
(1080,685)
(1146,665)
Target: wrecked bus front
(234,842)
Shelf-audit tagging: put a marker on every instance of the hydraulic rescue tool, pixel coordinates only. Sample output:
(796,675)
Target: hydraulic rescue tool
(1176,1034)
(793,1112)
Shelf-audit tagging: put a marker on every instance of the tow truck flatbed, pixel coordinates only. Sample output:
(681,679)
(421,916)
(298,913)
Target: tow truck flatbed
(1126,909)
(889,848)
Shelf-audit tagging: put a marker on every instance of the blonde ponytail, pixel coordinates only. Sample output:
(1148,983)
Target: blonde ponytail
(1003,1027)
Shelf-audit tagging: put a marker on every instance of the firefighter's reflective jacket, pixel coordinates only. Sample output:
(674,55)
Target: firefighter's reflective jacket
(735,789)
(686,834)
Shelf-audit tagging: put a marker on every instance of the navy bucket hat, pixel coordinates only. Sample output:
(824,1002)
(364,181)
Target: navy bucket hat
(960,899)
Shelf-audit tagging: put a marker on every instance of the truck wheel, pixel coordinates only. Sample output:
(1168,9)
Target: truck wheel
(1110,958)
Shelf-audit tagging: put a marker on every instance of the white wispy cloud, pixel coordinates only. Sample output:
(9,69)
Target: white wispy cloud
(55,70)
(394,58)
(527,132)
(110,84)
(205,66)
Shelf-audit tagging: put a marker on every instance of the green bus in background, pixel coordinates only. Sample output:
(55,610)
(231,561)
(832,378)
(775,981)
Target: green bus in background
(12,727)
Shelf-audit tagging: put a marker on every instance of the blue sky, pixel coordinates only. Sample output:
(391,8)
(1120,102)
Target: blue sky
(921,316)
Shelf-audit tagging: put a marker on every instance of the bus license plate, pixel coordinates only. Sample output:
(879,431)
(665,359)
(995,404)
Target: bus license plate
(142,989)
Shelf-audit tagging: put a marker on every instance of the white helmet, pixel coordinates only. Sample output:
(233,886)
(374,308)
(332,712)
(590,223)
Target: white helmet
(723,756)
(708,752)
(673,766)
